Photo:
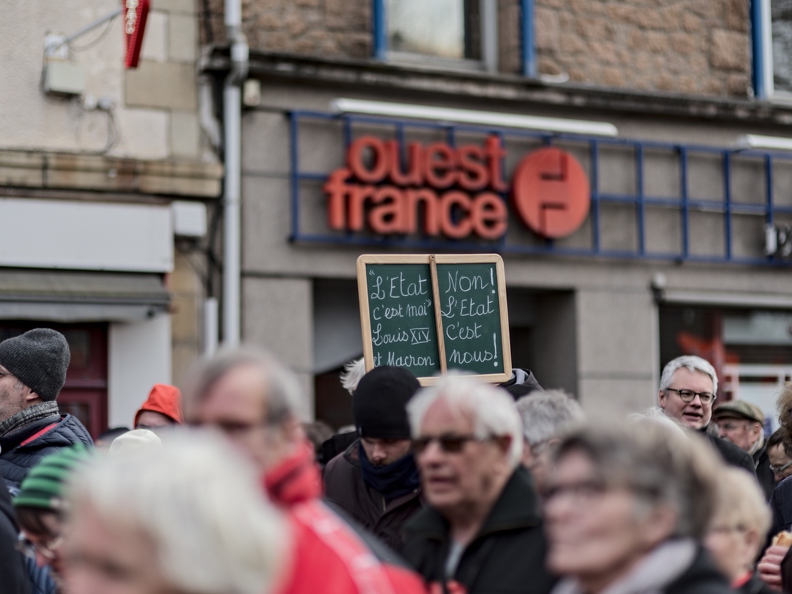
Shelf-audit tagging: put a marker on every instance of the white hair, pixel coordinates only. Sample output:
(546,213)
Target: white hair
(213,530)
(492,409)
(691,363)
(353,373)
(547,415)
(656,415)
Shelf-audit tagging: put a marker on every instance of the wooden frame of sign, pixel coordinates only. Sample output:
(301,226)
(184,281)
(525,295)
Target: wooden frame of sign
(427,292)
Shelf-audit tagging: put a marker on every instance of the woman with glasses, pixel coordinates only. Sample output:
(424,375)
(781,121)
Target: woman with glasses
(626,509)
(40,509)
(738,530)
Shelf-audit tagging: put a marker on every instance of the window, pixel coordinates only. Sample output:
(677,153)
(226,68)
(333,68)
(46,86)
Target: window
(450,33)
(772,48)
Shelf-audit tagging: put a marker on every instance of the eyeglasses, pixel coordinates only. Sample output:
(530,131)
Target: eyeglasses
(727,529)
(579,492)
(450,444)
(690,395)
(46,549)
(780,469)
(732,426)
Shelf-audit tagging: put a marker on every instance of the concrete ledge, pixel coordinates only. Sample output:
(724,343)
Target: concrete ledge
(97,173)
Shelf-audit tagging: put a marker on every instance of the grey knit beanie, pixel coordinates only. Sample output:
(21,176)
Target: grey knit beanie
(39,358)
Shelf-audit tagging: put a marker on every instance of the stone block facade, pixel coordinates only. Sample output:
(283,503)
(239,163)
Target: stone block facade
(695,47)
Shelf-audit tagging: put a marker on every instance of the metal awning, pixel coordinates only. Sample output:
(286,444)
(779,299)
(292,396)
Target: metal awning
(61,296)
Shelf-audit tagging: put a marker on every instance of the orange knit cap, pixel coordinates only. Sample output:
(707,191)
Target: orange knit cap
(163,399)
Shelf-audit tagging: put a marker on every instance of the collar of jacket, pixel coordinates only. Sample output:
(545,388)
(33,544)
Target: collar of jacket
(515,509)
(295,479)
(12,440)
(352,455)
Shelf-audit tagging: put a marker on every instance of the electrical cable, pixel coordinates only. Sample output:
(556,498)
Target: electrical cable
(90,44)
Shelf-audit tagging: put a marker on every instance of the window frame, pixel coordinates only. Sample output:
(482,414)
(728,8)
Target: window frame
(489,41)
(762,49)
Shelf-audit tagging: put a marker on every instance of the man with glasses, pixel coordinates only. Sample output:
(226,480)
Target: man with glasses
(742,423)
(780,459)
(688,388)
(481,531)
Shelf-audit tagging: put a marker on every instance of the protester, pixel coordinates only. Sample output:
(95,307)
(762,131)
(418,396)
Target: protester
(181,519)
(376,480)
(41,509)
(12,569)
(481,531)
(32,373)
(779,456)
(742,423)
(626,508)
(544,418)
(688,388)
(255,402)
(107,436)
(131,440)
(161,409)
(521,383)
(781,501)
(738,530)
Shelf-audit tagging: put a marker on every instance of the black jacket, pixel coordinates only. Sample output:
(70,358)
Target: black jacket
(781,506)
(755,586)
(22,450)
(507,555)
(13,574)
(731,454)
(702,577)
(345,487)
(763,472)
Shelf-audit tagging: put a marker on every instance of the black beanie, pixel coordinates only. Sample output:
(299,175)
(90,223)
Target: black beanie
(379,404)
(39,359)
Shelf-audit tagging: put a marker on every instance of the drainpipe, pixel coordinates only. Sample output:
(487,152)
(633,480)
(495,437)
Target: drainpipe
(232,116)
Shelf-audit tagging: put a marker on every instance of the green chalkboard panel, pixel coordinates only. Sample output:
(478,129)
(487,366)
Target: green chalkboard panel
(471,317)
(402,317)
(434,313)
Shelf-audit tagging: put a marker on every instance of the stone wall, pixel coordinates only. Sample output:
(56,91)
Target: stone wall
(697,47)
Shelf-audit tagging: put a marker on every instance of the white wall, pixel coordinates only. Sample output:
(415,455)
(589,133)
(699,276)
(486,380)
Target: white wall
(86,236)
(139,357)
(28,120)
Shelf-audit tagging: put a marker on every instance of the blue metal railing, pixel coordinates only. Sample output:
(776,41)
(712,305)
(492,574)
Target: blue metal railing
(640,199)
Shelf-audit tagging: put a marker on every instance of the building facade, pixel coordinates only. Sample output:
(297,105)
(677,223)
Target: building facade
(107,181)
(683,245)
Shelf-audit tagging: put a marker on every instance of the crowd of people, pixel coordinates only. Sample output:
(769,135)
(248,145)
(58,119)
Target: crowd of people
(460,487)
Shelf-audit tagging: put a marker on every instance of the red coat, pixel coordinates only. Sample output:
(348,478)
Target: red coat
(328,556)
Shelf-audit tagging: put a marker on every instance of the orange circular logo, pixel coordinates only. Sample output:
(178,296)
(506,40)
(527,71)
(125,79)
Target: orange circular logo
(550,192)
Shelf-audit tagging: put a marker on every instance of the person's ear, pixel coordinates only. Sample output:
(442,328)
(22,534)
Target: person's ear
(504,442)
(662,399)
(30,395)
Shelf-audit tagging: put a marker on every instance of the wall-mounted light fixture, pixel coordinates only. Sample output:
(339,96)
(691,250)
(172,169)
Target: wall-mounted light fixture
(749,141)
(469,116)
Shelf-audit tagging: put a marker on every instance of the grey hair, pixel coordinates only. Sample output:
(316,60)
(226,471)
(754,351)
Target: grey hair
(284,397)
(741,502)
(691,363)
(199,503)
(353,373)
(655,414)
(662,467)
(492,409)
(547,415)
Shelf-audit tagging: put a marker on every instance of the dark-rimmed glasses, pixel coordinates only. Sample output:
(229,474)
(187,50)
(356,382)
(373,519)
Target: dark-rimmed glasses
(451,444)
(780,469)
(690,395)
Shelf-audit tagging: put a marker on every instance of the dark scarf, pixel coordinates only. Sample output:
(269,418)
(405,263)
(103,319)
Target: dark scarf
(27,416)
(392,480)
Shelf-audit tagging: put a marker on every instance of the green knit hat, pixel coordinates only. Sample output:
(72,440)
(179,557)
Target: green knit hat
(44,485)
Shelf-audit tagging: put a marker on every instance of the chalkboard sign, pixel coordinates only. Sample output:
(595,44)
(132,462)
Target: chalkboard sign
(434,313)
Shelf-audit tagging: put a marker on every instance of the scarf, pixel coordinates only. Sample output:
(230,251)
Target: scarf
(651,575)
(392,480)
(30,415)
(295,479)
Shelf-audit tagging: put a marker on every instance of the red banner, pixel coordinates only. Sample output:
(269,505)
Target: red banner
(135,15)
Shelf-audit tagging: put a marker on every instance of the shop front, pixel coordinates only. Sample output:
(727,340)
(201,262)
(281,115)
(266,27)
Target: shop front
(625,242)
